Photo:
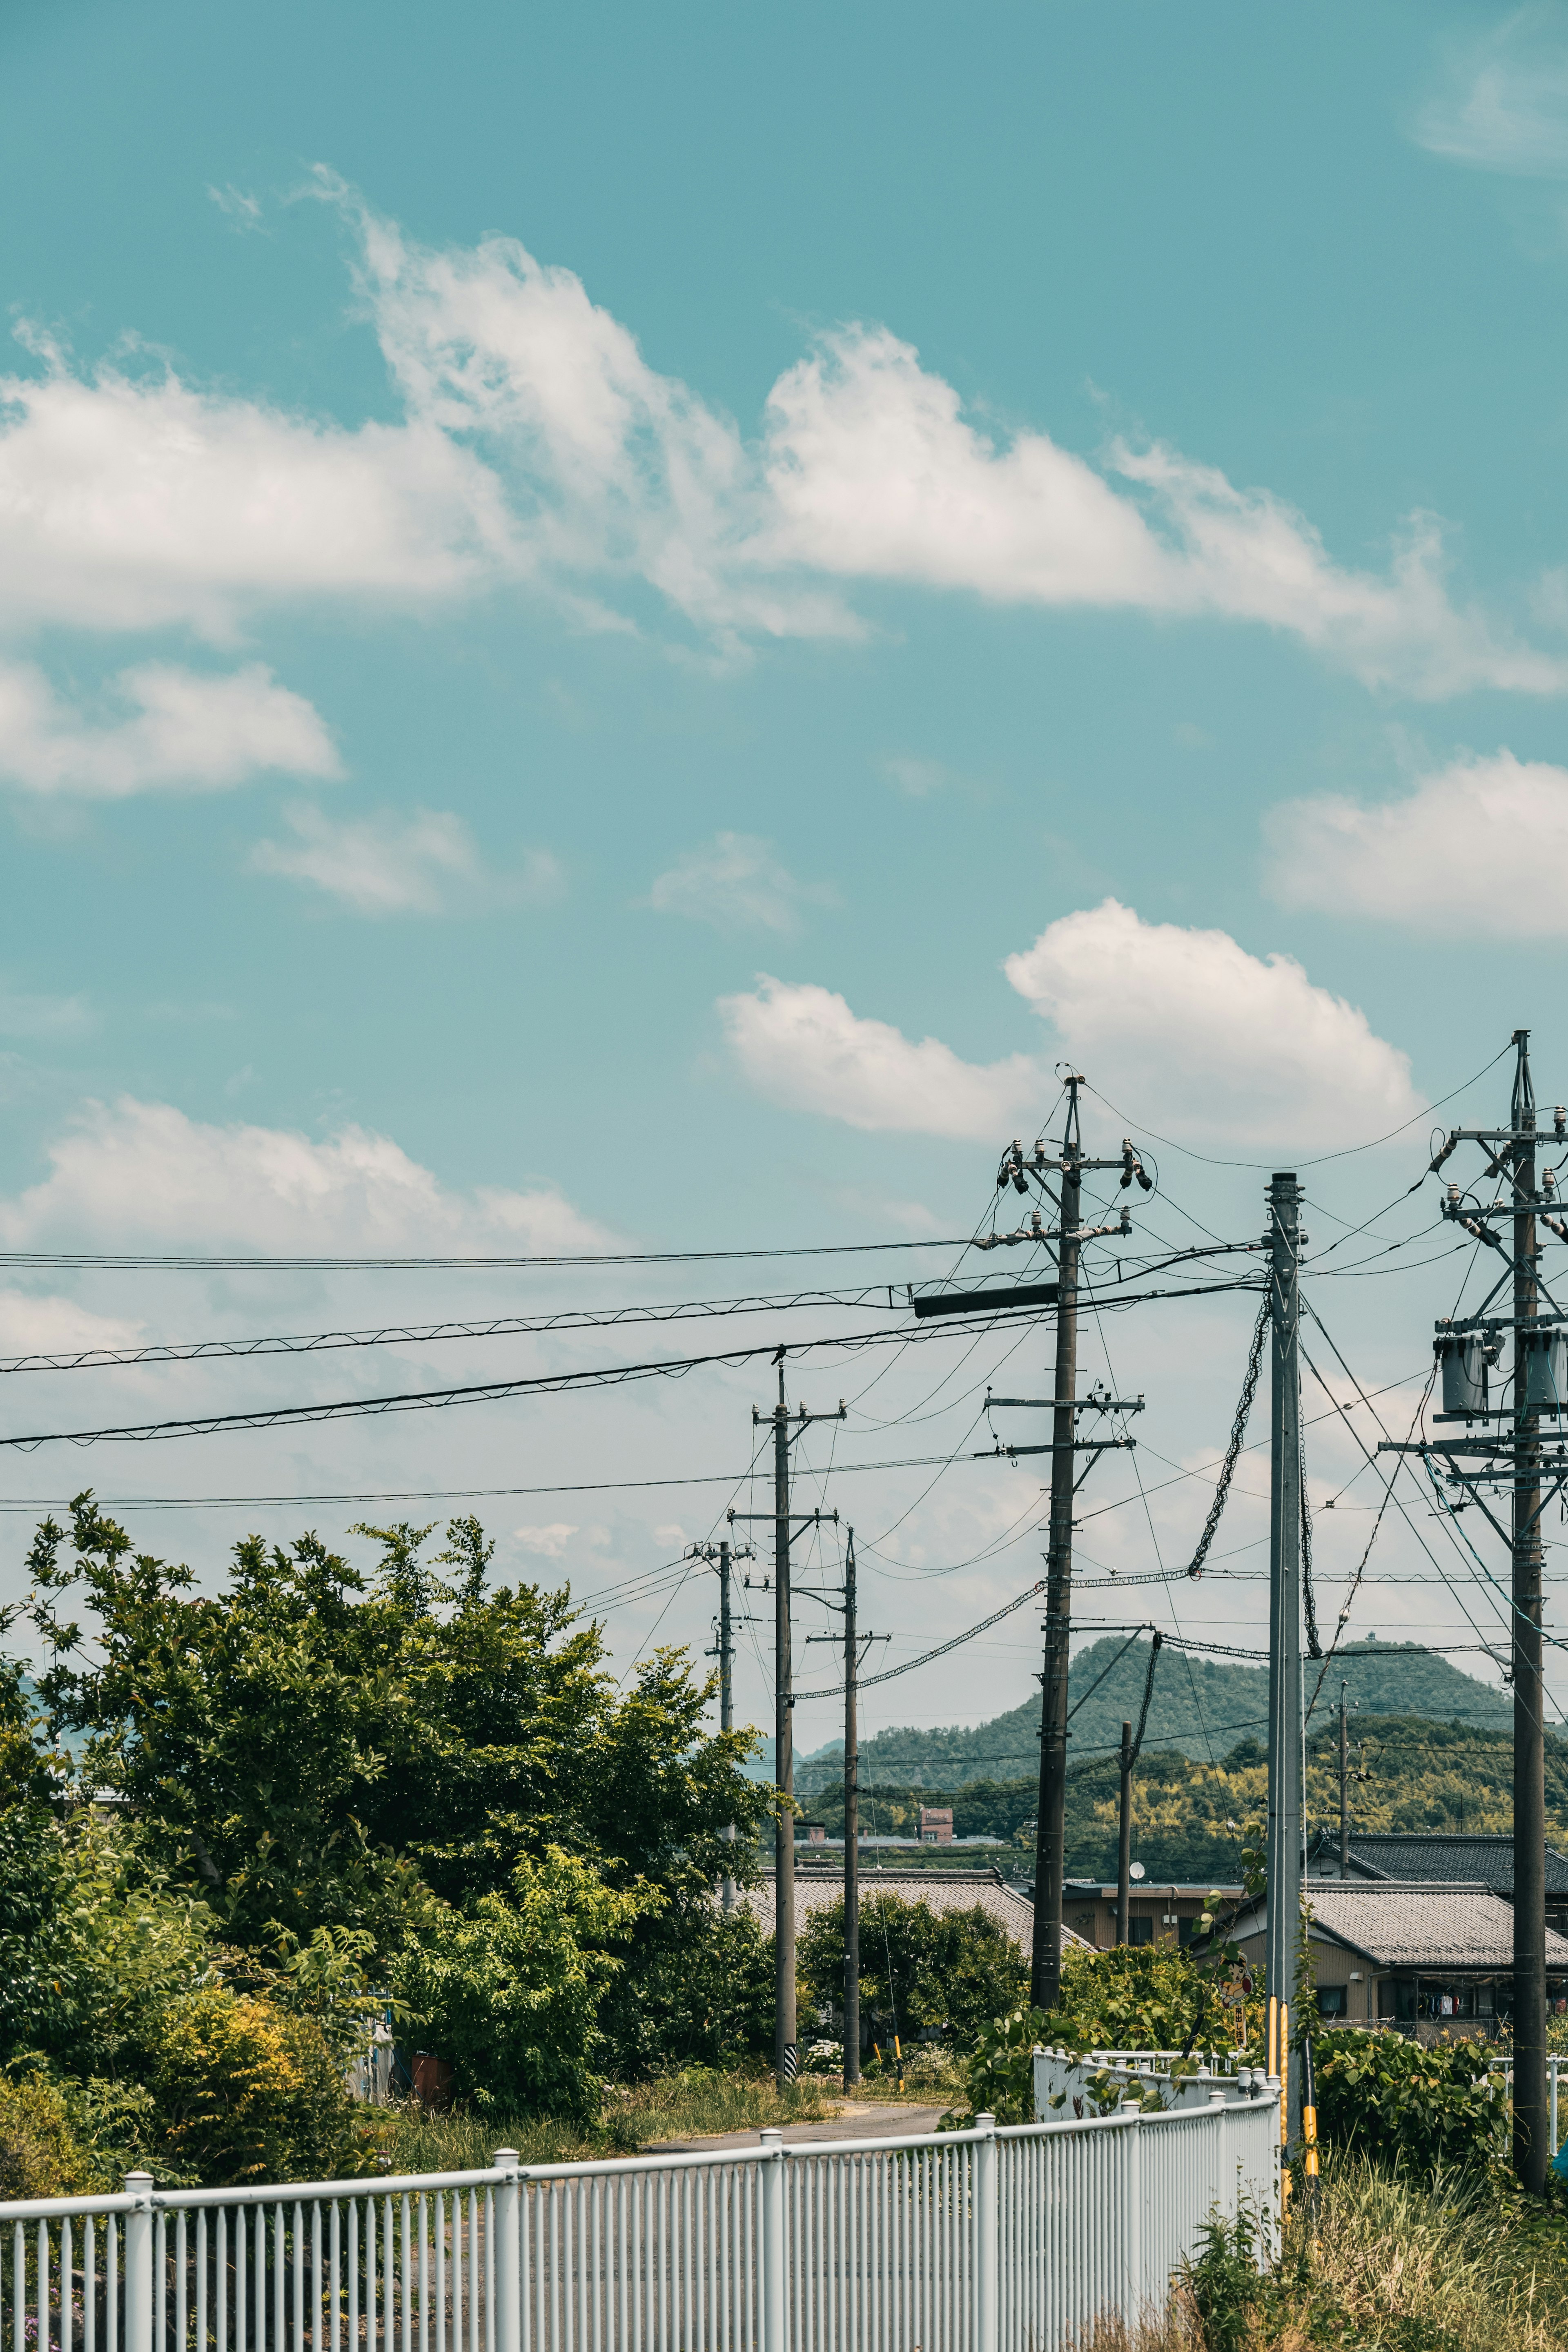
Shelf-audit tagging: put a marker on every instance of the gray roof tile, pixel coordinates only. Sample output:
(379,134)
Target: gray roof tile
(1400,1924)
(1467,1858)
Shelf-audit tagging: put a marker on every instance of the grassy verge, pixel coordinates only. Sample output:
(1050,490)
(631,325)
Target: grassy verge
(688,2105)
(1458,2264)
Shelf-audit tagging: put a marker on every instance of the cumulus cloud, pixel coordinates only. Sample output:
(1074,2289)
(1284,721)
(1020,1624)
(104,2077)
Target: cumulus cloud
(1503,105)
(33,1326)
(736,883)
(130,502)
(189,732)
(802,1046)
(1480,849)
(1184,1029)
(1191,1033)
(536,441)
(142,1173)
(423,864)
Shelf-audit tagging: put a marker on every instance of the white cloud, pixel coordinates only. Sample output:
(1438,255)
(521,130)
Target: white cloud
(189,731)
(130,503)
(423,864)
(736,883)
(918,778)
(803,1047)
(537,442)
(1504,106)
(1188,1032)
(546,1543)
(1183,1029)
(144,1173)
(33,1326)
(1480,849)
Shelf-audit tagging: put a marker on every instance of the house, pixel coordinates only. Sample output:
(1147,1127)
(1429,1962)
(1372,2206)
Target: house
(1418,1957)
(943,1890)
(1155,1915)
(1440,1858)
(936,1824)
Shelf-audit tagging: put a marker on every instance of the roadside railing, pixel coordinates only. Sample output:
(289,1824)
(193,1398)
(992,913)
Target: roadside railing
(958,2242)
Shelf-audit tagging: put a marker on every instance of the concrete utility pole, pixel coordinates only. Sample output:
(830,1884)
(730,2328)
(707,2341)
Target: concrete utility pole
(1049,1850)
(1504,1455)
(723,1556)
(852,1832)
(1124,1838)
(785,2051)
(1532,2129)
(1344,1789)
(1283,1939)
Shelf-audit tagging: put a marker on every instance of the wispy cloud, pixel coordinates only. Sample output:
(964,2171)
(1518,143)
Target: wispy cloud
(1504,104)
(1477,850)
(535,442)
(188,731)
(736,883)
(426,863)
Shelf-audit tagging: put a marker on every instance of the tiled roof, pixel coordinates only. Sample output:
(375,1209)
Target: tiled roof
(1399,1924)
(943,1890)
(1489,1860)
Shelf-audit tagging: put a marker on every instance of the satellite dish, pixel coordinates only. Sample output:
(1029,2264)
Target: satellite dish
(1135,1871)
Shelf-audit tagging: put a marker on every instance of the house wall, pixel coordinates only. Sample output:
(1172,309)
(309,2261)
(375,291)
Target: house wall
(1153,1916)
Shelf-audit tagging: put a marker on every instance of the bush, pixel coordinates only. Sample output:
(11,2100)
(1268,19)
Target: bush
(508,1990)
(245,2091)
(704,2001)
(1138,1997)
(955,1969)
(1393,2100)
(40,2155)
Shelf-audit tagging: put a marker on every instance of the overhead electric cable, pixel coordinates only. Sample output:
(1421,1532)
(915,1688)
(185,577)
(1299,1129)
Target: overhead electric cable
(169,1262)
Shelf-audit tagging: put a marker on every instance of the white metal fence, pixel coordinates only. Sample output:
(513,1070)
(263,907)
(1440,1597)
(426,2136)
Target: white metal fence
(983,2240)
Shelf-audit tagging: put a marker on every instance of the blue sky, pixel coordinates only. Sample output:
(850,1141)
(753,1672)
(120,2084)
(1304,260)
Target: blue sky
(619,629)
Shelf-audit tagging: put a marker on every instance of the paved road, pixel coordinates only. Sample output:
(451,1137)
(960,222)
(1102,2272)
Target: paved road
(852,2121)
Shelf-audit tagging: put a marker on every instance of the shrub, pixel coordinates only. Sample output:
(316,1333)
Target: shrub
(508,1990)
(957,1969)
(1138,1997)
(706,2001)
(245,2092)
(40,2155)
(1391,2100)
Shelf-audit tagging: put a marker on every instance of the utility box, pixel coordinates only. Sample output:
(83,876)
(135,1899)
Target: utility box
(1462,1355)
(1545,1368)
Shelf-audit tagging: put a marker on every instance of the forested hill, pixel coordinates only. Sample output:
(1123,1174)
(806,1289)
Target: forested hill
(1200,1708)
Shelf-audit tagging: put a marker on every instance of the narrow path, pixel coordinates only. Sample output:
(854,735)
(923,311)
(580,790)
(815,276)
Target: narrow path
(852,2121)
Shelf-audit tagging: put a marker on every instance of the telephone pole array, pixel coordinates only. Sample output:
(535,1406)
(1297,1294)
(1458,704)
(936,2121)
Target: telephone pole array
(1507,1457)
(785,2051)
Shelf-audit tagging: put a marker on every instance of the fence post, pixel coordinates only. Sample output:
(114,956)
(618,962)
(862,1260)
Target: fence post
(508,2253)
(1132,2216)
(986,2214)
(138,2264)
(775,2254)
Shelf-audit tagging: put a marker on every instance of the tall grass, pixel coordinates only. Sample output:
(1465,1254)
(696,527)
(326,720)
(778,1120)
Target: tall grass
(691,2105)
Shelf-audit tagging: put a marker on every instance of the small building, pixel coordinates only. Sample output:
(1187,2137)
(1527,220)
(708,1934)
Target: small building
(936,1824)
(1155,1915)
(1422,1959)
(1433,1858)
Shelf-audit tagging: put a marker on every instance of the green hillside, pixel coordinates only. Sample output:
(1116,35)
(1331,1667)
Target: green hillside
(1422,1776)
(1201,1707)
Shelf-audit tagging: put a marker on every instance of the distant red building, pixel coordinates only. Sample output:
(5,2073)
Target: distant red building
(936,1824)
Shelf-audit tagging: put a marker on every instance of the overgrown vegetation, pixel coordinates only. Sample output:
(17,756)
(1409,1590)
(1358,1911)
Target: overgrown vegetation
(949,1971)
(319,1796)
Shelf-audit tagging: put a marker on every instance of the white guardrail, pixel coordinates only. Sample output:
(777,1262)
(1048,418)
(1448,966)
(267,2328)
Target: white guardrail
(962,2242)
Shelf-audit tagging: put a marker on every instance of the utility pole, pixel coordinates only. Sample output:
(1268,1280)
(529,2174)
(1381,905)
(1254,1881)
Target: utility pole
(1510,1460)
(786,2051)
(723,1556)
(1067,1170)
(856,1644)
(1344,1789)
(1284,1938)
(1532,2131)
(1124,1838)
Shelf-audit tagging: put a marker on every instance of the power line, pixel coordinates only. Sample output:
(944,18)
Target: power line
(170,1263)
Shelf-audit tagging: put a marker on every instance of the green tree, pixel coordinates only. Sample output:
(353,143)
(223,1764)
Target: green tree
(953,1969)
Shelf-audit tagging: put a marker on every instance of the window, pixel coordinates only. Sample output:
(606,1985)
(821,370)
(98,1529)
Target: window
(1331,2001)
(1187,1930)
(1140,1931)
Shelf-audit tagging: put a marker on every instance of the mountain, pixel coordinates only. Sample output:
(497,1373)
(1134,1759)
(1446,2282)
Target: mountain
(1200,1708)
